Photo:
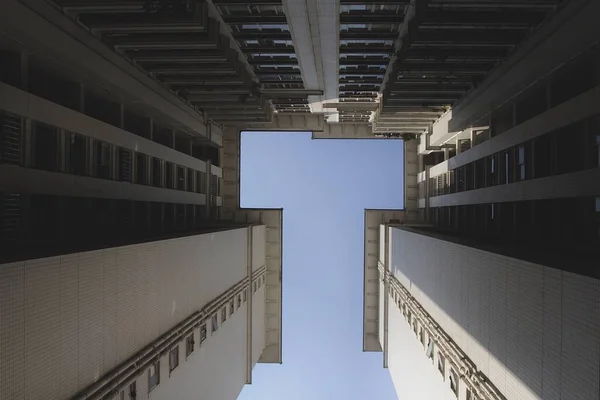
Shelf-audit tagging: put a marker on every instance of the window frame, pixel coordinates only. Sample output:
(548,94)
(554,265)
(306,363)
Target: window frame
(214,323)
(190,344)
(173,358)
(156,366)
(203,333)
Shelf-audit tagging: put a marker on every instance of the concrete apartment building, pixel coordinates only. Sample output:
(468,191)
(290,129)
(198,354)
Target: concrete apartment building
(485,286)
(129,269)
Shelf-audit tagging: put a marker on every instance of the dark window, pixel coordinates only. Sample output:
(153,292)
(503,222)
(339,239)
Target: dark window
(45,151)
(180,178)
(429,351)
(214,323)
(173,358)
(125,165)
(76,154)
(132,391)
(202,333)
(189,345)
(102,159)
(153,375)
(521,163)
(231,307)
(156,171)
(190,179)
(201,182)
(223,314)
(239,301)
(245,295)
(170,178)
(141,169)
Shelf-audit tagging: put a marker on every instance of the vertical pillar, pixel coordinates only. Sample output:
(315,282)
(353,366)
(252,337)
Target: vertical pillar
(208,189)
(151,128)
(24,64)
(121,115)
(386,299)
(173,139)
(249,293)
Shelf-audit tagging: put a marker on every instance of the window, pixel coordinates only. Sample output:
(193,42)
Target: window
(153,375)
(132,391)
(202,333)
(103,160)
(173,358)
(214,324)
(170,171)
(223,314)
(180,178)
(422,336)
(156,171)
(245,295)
(521,162)
(454,382)
(441,364)
(122,395)
(254,286)
(190,180)
(239,300)
(429,351)
(189,345)
(598,150)
(231,307)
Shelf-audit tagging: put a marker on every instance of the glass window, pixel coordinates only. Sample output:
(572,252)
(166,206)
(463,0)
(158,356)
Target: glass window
(245,295)
(202,333)
(223,315)
(173,358)
(231,307)
(153,375)
(521,162)
(214,323)
(132,391)
(429,351)
(189,345)
(441,364)
(454,382)
(239,301)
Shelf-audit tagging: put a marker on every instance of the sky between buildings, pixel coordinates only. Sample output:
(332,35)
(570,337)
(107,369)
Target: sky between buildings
(324,187)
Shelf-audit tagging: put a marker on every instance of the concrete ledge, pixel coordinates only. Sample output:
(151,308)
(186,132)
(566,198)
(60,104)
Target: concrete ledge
(39,27)
(577,184)
(27,105)
(24,180)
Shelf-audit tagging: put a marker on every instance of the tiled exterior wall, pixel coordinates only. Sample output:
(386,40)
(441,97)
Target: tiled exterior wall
(217,367)
(67,320)
(414,375)
(533,330)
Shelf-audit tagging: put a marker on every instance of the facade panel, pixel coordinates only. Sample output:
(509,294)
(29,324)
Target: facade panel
(531,330)
(88,312)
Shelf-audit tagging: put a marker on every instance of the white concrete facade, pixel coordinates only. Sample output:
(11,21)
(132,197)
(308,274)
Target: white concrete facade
(71,321)
(530,329)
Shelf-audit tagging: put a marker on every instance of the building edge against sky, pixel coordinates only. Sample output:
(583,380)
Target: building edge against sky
(485,286)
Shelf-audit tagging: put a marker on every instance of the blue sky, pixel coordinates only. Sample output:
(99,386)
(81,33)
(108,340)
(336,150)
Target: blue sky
(324,187)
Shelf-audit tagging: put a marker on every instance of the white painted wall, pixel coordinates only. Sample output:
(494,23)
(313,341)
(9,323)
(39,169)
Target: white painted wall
(258,324)
(531,329)
(215,370)
(415,377)
(67,320)
(258,247)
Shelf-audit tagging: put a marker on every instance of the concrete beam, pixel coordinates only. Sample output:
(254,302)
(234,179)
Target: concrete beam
(39,27)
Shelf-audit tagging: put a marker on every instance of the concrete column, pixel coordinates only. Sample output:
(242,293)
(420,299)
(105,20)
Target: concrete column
(81,98)
(62,150)
(208,188)
(173,137)
(151,128)
(24,71)
(121,116)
